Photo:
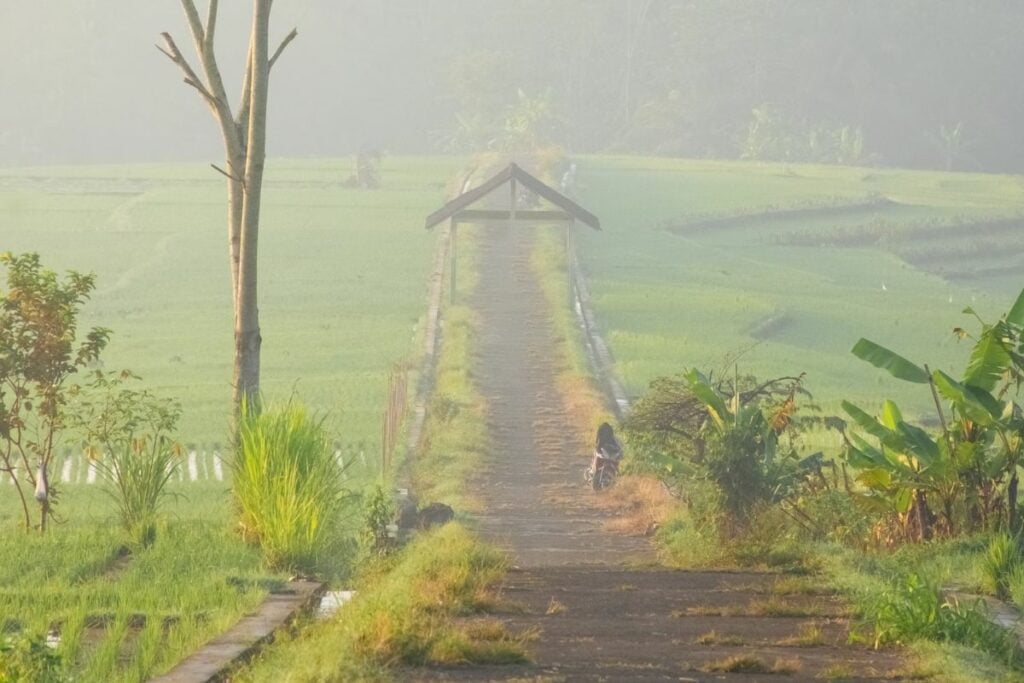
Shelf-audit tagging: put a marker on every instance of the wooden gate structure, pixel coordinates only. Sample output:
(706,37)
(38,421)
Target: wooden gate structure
(459,209)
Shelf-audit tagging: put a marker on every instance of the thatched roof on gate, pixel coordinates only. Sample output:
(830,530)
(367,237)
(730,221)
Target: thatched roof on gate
(571,209)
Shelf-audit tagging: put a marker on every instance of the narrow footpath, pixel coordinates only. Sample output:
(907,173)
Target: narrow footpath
(596,604)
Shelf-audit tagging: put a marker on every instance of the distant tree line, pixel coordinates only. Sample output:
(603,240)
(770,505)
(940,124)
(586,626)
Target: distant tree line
(921,83)
(917,82)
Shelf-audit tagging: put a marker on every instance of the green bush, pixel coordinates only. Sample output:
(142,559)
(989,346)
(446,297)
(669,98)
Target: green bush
(915,609)
(28,658)
(377,515)
(129,438)
(287,485)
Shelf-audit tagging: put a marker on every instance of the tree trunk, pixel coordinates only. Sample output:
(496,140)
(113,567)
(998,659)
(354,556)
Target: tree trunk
(247,323)
(244,135)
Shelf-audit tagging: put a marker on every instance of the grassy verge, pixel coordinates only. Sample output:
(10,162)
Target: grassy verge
(403,614)
(455,432)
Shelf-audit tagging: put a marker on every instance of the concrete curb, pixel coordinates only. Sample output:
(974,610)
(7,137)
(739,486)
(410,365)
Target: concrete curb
(598,353)
(213,661)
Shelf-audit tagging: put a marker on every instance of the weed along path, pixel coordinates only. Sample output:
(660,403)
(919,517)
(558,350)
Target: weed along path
(592,605)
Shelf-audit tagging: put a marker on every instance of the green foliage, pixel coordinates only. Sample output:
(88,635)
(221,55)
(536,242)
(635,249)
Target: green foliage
(738,438)
(970,470)
(1002,563)
(128,434)
(38,329)
(775,135)
(914,609)
(378,513)
(287,484)
(28,658)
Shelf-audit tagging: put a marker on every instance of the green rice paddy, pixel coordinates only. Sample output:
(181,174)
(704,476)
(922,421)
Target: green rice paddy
(781,268)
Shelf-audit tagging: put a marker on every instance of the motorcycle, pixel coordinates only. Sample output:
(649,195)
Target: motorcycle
(602,470)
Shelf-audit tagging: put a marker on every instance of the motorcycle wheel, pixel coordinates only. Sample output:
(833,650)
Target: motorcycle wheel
(603,478)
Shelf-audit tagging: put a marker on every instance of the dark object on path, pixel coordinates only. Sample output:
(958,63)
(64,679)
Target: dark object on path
(406,516)
(607,454)
(435,514)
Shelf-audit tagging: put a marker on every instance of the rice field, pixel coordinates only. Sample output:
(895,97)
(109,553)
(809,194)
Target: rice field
(779,269)
(343,276)
(343,285)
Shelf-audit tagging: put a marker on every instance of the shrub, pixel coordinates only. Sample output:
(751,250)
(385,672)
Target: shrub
(128,433)
(28,658)
(377,515)
(287,484)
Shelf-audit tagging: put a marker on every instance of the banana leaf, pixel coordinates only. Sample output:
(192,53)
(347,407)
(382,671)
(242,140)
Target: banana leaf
(895,364)
(972,401)
(891,415)
(869,424)
(990,358)
(920,444)
(1016,314)
(711,399)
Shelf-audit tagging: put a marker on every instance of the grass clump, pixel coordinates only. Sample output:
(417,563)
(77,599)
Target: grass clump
(1002,562)
(287,484)
(915,609)
(403,614)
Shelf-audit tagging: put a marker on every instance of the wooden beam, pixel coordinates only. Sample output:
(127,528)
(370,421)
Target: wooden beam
(476,215)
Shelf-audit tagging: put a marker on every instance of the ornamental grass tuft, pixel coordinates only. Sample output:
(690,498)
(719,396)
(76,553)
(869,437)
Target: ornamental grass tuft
(287,485)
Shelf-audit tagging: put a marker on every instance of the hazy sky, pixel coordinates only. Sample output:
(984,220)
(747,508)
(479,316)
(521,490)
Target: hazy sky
(83,82)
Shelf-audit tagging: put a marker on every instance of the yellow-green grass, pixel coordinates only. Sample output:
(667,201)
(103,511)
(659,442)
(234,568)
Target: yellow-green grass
(455,437)
(403,614)
(343,276)
(125,617)
(671,300)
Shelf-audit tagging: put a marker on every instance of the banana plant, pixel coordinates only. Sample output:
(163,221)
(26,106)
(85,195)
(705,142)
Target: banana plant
(744,457)
(979,450)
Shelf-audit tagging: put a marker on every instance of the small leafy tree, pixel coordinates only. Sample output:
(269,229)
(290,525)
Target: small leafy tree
(38,353)
(129,436)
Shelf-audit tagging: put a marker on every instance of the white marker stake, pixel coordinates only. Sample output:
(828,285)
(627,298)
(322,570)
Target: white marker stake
(218,469)
(193,469)
(65,471)
(90,477)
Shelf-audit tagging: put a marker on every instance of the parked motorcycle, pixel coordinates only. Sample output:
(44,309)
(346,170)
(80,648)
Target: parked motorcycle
(603,469)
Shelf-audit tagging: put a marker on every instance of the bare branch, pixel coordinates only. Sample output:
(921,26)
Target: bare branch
(227,175)
(174,54)
(214,84)
(284,43)
(211,25)
(242,118)
(195,24)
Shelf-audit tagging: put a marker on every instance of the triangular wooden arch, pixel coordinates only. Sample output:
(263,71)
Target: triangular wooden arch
(458,208)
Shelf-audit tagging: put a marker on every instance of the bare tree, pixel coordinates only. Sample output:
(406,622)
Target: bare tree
(244,131)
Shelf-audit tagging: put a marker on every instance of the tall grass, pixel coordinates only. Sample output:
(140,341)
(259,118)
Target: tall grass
(287,485)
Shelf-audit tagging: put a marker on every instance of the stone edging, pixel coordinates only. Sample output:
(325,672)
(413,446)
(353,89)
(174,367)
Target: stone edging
(598,353)
(431,343)
(213,661)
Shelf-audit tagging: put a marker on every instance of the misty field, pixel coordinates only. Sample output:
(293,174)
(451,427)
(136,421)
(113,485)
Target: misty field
(343,277)
(786,266)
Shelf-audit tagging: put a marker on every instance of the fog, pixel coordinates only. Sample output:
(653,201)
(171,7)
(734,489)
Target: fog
(924,83)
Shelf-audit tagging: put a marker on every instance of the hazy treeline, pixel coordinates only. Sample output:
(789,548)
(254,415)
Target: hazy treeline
(917,82)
